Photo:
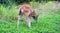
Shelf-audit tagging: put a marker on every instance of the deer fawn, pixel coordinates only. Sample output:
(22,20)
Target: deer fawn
(27,11)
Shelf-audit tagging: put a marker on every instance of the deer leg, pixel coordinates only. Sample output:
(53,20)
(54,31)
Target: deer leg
(28,21)
(18,21)
(18,18)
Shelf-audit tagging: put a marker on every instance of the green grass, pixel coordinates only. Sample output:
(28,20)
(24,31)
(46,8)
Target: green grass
(49,24)
(48,21)
(8,12)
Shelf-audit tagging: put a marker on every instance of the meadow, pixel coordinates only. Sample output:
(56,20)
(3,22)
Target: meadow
(48,20)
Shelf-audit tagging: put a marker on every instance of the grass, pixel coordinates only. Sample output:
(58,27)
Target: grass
(7,12)
(48,22)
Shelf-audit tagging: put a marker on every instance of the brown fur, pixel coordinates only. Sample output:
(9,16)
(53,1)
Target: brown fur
(27,11)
